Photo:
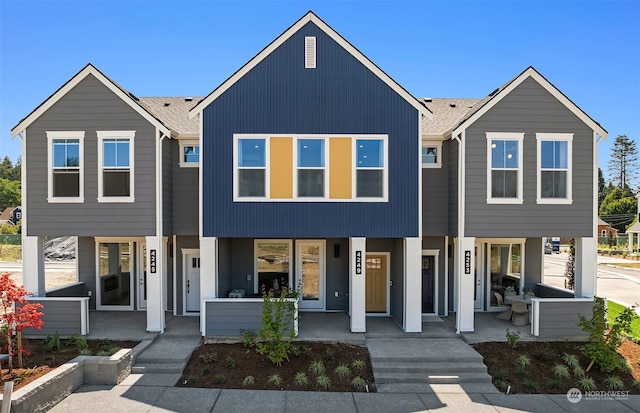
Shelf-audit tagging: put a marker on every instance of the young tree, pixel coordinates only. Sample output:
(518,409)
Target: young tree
(623,165)
(17,314)
(619,208)
(602,187)
(10,194)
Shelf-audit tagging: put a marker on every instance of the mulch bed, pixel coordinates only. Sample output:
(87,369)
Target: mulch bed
(227,366)
(538,377)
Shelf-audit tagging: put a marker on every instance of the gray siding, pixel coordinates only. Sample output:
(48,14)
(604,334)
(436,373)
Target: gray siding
(337,275)
(167,186)
(396,303)
(435,198)
(452,150)
(90,107)
(437,243)
(182,242)
(533,266)
(230,318)
(185,195)
(87,267)
(530,109)
(62,317)
(560,319)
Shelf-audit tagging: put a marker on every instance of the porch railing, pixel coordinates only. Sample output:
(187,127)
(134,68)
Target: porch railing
(558,317)
(65,316)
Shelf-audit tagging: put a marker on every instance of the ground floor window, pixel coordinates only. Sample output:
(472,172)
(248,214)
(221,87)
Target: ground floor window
(273,258)
(114,273)
(505,266)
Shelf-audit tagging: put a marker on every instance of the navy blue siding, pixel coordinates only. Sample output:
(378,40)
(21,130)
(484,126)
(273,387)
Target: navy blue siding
(340,97)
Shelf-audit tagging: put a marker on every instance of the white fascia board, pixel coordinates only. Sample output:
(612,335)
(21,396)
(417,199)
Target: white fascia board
(309,17)
(555,92)
(72,83)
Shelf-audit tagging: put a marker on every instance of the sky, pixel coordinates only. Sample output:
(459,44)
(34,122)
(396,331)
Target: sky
(590,50)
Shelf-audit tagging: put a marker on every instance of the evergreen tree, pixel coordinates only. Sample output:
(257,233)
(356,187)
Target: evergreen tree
(623,165)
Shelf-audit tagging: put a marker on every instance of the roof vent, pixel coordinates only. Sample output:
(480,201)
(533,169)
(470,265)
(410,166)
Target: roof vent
(428,100)
(166,104)
(453,105)
(310,52)
(188,99)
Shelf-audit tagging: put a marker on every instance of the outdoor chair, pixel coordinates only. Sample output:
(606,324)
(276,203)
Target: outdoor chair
(506,314)
(520,314)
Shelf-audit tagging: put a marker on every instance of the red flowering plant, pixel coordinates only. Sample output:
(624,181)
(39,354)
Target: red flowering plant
(16,314)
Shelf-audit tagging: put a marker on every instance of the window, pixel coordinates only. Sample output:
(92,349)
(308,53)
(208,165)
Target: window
(189,154)
(431,154)
(66,170)
(370,171)
(311,165)
(114,274)
(251,159)
(504,180)
(115,157)
(506,265)
(273,269)
(554,168)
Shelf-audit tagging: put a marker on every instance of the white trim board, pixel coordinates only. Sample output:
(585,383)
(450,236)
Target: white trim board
(271,47)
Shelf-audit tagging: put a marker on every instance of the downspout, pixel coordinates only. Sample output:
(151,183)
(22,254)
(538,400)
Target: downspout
(457,277)
(23,183)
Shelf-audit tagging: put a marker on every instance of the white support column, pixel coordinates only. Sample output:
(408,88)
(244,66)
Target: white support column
(465,260)
(413,285)
(208,267)
(155,270)
(631,241)
(357,286)
(586,267)
(33,265)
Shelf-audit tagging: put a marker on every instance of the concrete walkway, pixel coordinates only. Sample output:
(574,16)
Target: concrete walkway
(151,391)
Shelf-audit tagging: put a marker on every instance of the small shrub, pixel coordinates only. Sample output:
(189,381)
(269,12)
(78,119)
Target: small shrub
(523,361)
(300,379)
(317,368)
(636,384)
(561,371)
(521,371)
(531,386)
(208,358)
(190,380)
(107,347)
(52,343)
(502,385)
(500,375)
(248,338)
(587,384)
(571,360)
(248,381)
(275,333)
(343,371)
(218,379)
(512,338)
(555,384)
(358,383)
(358,364)
(85,352)
(231,363)
(205,371)
(323,382)
(614,383)
(579,372)
(329,355)
(275,379)
(80,342)
(543,352)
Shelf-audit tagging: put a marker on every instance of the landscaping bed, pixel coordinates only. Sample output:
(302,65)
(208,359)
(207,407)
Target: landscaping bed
(44,359)
(505,365)
(237,366)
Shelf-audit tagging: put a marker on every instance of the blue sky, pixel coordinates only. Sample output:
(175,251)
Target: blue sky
(589,49)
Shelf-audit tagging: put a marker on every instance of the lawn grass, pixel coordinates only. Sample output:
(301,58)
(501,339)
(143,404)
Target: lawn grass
(613,309)
(624,264)
(10,253)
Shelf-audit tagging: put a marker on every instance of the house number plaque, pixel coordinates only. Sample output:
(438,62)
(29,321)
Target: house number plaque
(467,262)
(358,262)
(152,261)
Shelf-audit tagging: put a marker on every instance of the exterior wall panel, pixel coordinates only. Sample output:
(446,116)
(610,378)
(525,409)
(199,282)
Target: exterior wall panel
(184,195)
(281,167)
(452,147)
(561,319)
(340,167)
(435,198)
(86,259)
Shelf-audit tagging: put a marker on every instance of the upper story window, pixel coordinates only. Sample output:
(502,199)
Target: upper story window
(311,166)
(370,170)
(189,154)
(504,159)
(252,165)
(431,154)
(66,166)
(554,168)
(115,174)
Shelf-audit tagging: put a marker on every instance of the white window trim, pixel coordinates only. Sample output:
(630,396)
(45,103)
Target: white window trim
(289,242)
(190,142)
(432,144)
(102,135)
(51,135)
(295,198)
(565,137)
(505,136)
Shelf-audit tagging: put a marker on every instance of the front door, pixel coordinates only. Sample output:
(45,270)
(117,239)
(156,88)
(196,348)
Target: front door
(428,284)
(142,275)
(376,283)
(310,274)
(192,283)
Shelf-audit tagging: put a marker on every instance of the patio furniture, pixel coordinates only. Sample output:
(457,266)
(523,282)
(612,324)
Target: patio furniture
(506,314)
(520,312)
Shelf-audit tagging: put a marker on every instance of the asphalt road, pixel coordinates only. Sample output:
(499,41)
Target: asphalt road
(615,283)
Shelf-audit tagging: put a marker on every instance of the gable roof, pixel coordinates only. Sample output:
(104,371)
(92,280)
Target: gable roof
(7,213)
(89,69)
(309,17)
(447,113)
(497,95)
(174,112)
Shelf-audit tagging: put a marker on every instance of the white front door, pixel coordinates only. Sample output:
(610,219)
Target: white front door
(142,275)
(310,274)
(478,295)
(192,282)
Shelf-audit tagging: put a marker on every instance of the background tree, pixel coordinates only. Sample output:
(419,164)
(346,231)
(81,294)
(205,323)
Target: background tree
(619,208)
(10,171)
(602,187)
(9,193)
(623,164)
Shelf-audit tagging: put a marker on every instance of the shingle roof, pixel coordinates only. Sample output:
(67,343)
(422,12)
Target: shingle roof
(174,113)
(7,213)
(447,113)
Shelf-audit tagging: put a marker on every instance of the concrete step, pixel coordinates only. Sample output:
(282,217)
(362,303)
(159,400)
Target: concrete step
(442,378)
(428,367)
(436,358)
(468,388)
(142,368)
